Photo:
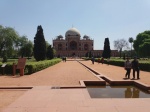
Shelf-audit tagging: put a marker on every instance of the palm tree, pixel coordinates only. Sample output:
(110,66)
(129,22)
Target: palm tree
(131,41)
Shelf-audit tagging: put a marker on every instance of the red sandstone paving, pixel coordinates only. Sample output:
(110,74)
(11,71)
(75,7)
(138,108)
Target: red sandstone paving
(68,73)
(62,74)
(9,96)
(117,73)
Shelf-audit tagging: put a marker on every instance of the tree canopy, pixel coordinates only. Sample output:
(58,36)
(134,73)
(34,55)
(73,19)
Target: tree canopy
(131,40)
(27,49)
(8,37)
(142,44)
(14,45)
(120,44)
(50,52)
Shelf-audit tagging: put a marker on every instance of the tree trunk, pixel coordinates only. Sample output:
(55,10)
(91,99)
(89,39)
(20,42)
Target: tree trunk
(131,50)
(120,52)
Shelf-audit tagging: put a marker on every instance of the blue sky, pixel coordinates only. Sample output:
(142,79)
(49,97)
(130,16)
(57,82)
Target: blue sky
(98,19)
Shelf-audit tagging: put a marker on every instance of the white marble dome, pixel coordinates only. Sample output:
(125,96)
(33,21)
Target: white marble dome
(72,32)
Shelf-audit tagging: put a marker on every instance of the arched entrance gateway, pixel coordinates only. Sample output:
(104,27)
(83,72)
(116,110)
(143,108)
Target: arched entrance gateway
(73,54)
(74,45)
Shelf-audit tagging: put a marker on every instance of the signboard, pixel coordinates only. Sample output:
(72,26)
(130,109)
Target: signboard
(21,63)
(3,65)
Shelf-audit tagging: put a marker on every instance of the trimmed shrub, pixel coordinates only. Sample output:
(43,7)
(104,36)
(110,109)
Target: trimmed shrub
(35,67)
(31,67)
(145,66)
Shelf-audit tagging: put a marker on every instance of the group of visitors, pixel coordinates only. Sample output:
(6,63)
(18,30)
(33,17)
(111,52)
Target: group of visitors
(132,65)
(64,59)
(99,60)
(128,66)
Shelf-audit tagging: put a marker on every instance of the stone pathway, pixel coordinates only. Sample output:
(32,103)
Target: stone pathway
(64,73)
(41,98)
(44,99)
(117,73)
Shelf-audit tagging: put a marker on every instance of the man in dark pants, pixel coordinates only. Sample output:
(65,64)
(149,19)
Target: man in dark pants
(135,67)
(93,60)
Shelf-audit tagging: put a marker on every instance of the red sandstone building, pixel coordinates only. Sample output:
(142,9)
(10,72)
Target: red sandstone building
(74,45)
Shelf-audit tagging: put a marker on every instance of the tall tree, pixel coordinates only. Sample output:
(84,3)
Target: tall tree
(39,45)
(131,41)
(8,37)
(106,52)
(21,45)
(29,49)
(23,40)
(50,52)
(119,44)
(26,49)
(140,43)
(144,48)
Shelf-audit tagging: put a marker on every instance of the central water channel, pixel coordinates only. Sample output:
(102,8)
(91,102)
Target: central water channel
(116,92)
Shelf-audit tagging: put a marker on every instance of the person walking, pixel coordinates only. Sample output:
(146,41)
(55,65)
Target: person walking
(127,67)
(93,60)
(65,58)
(135,67)
(102,60)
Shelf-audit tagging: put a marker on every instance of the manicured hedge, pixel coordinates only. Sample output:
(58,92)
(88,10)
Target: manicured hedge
(145,66)
(31,67)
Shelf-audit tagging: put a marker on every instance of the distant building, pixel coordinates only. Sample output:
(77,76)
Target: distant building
(74,45)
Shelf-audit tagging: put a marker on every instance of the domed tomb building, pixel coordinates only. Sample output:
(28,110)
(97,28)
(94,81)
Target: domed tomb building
(74,45)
